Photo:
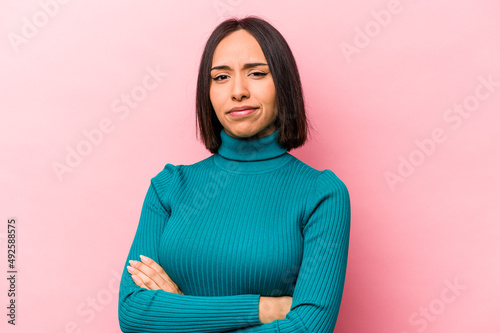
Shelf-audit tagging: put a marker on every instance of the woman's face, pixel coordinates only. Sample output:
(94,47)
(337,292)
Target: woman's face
(242,90)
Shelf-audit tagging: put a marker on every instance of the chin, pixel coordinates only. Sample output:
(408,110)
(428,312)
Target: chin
(248,131)
(240,131)
(243,134)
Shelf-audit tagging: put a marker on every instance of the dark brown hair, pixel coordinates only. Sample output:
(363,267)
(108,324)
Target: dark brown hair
(291,120)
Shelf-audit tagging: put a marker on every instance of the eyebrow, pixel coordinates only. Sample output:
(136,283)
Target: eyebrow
(245,66)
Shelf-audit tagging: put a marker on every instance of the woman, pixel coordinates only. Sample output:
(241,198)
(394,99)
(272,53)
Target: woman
(250,238)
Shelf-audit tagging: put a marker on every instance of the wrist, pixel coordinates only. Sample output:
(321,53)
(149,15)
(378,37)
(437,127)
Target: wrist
(267,309)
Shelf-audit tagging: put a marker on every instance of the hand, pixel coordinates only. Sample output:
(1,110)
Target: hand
(148,274)
(274,308)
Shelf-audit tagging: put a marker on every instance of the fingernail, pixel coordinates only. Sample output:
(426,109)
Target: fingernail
(133,262)
(130,269)
(135,278)
(144,258)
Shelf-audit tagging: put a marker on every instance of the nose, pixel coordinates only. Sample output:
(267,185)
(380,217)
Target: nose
(240,88)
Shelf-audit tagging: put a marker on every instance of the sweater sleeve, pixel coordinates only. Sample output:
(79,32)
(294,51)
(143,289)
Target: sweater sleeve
(142,310)
(320,282)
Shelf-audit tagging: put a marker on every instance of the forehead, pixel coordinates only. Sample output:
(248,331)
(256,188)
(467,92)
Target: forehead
(238,47)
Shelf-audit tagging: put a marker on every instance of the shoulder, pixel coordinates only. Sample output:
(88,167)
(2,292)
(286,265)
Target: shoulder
(328,182)
(320,180)
(174,173)
(328,200)
(323,184)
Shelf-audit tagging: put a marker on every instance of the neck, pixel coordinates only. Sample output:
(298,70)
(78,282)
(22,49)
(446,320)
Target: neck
(250,154)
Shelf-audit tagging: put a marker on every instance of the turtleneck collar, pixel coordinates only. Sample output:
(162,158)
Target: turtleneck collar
(250,155)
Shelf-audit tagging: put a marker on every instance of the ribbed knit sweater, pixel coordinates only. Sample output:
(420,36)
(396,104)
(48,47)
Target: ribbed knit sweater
(249,221)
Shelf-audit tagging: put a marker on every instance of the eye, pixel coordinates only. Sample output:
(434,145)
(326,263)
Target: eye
(259,74)
(220,78)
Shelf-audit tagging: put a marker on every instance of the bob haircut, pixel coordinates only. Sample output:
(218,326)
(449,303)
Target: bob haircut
(291,120)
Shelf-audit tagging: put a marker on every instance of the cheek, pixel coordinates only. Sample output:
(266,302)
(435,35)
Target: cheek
(268,95)
(218,103)
(264,92)
(215,99)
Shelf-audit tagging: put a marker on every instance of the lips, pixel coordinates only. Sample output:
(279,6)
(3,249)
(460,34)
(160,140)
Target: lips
(242,111)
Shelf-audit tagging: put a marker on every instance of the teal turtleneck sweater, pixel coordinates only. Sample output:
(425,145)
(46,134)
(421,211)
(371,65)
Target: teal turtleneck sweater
(249,221)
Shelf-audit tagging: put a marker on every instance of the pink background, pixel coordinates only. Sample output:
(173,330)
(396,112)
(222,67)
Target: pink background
(380,77)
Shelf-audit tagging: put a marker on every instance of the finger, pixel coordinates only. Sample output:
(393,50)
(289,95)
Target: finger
(149,267)
(137,280)
(142,280)
(157,274)
(151,274)
(151,263)
(171,285)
